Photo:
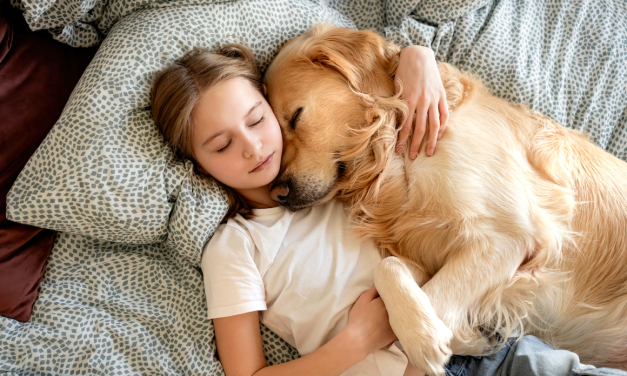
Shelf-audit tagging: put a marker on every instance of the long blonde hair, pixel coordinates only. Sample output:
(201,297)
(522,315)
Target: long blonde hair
(177,89)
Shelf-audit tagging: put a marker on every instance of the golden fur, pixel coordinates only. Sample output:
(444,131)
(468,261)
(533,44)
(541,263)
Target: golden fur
(515,226)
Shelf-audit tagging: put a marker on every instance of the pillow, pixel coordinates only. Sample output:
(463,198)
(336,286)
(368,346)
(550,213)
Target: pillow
(84,23)
(37,76)
(104,170)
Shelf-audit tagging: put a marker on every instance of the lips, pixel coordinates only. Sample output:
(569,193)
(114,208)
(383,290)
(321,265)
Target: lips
(263,164)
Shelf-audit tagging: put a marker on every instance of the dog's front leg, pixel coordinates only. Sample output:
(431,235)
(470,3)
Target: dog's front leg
(423,335)
(468,293)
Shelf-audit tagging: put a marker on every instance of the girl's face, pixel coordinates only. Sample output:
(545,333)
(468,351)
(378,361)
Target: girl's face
(236,137)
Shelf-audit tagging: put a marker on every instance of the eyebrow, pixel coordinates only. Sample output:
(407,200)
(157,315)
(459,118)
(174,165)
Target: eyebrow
(252,108)
(222,132)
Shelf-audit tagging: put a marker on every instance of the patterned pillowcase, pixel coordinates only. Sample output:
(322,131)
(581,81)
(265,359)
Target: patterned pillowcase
(84,23)
(104,170)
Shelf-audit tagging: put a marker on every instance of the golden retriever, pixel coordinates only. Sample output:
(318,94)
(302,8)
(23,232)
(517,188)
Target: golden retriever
(515,226)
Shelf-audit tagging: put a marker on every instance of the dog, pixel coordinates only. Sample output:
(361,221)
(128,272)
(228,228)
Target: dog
(515,226)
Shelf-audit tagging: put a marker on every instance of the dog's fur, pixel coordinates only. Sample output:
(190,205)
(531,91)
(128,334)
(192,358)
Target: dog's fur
(515,226)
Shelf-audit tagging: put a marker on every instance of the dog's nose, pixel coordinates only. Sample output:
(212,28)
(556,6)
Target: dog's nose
(279,192)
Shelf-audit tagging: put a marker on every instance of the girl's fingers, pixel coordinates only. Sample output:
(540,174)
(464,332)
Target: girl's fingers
(369,295)
(405,131)
(419,131)
(442,106)
(434,127)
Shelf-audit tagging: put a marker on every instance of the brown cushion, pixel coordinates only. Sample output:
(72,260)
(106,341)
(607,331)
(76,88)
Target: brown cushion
(37,75)
(6,38)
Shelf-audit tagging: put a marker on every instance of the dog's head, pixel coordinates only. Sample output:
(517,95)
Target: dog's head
(331,90)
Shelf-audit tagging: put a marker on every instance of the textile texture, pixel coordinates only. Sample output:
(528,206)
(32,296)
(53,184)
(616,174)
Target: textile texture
(37,75)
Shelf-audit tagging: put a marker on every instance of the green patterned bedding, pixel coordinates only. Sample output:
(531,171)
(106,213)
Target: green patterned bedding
(109,307)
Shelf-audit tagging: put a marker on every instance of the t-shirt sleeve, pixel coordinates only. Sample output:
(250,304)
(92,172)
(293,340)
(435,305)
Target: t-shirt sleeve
(233,284)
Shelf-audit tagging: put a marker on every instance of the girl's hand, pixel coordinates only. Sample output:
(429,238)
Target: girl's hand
(418,74)
(241,351)
(369,324)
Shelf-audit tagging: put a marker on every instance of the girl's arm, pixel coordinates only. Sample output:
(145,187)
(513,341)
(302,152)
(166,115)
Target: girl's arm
(368,329)
(418,75)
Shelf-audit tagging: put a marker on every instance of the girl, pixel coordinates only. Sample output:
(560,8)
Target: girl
(299,273)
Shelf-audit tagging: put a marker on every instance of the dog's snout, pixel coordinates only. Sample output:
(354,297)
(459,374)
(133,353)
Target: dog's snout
(279,192)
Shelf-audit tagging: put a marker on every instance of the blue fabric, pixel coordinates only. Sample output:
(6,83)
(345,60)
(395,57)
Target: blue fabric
(528,357)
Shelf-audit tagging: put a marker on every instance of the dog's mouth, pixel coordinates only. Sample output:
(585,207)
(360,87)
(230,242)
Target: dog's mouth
(300,205)
(294,208)
(288,194)
(300,193)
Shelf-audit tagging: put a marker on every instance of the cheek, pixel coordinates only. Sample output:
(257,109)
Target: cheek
(214,163)
(275,135)
(205,164)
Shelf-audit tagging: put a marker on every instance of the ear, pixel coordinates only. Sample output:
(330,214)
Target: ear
(363,57)
(265,90)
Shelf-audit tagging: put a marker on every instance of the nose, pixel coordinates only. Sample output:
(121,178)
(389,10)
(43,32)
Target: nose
(252,145)
(279,192)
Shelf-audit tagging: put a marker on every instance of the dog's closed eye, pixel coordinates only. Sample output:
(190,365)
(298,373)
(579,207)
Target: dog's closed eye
(295,117)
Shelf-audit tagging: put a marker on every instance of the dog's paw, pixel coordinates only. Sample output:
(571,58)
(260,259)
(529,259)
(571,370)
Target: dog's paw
(429,349)
(478,344)
(413,319)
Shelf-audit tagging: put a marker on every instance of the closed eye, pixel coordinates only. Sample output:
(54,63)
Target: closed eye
(224,148)
(257,122)
(295,118)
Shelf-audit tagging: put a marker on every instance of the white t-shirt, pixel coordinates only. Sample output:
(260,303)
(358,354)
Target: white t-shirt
(302,270)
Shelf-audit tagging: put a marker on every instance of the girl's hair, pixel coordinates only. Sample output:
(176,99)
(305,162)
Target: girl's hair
(177,89)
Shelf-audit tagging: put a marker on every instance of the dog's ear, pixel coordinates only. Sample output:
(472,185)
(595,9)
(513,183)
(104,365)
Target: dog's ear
(363,57)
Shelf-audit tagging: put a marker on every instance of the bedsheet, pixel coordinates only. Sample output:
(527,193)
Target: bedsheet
(117,309)
(112,308)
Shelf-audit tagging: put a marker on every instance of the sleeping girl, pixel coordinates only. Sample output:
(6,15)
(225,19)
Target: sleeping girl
(302,274)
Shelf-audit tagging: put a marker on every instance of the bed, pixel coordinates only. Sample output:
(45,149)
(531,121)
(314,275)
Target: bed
(122,291)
